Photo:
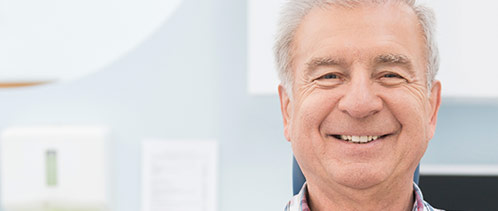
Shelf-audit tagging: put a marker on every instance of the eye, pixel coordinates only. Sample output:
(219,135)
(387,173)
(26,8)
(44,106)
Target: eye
(392,75)
(329,76)
(390,78)
(329,79)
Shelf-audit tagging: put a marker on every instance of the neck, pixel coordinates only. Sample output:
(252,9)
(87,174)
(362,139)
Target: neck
(393,196)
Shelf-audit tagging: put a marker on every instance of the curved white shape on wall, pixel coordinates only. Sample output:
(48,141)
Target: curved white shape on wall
(60,39)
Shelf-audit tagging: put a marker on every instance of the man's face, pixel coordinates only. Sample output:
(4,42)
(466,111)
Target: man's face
(359,74)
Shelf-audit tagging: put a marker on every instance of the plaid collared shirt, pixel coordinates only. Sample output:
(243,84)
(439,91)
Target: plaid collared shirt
(300,203)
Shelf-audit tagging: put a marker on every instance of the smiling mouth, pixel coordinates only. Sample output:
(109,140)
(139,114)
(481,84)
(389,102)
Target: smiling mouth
(359,139)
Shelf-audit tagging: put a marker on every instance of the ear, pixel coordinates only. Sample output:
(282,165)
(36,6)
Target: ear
(435,102)
(286,109)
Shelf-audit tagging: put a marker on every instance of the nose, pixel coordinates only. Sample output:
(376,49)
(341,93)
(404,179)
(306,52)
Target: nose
(360,99)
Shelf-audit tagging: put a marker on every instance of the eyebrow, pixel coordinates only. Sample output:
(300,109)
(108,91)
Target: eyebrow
(395,59)
(392,59)
(323,61)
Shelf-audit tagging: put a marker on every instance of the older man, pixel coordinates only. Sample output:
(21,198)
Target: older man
(359,100)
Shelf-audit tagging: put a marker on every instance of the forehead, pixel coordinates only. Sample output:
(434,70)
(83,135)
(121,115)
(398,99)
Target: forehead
(359,33)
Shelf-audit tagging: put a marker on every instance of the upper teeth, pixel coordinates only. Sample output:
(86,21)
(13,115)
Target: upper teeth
(359,139)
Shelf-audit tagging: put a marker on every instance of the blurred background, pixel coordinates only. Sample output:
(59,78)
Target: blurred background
(186,77)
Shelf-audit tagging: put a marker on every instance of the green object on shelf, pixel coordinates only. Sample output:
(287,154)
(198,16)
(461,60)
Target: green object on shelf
(51,167)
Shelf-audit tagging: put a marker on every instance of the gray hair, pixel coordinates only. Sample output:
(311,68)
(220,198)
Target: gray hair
(294,11)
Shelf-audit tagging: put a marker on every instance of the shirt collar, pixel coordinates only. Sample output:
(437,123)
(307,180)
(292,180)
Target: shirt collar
(300,202)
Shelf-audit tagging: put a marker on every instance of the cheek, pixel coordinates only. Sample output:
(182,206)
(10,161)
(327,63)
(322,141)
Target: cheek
(412,141)
(410,110)
(409,113)
(314,110)
(309,116)
(409,104)
(307,142)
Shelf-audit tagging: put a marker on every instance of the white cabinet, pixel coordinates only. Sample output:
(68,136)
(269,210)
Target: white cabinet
(55,168)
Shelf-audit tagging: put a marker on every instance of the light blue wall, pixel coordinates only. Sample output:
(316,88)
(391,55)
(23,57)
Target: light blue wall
(467,133)
(188,81)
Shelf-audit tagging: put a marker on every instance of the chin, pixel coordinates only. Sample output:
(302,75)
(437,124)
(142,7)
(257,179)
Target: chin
(360,178)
